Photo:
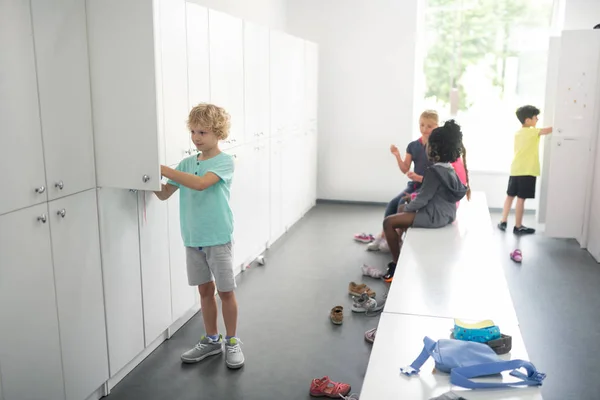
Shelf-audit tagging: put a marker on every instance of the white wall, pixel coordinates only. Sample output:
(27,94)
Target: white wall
(366,81)
(271,13)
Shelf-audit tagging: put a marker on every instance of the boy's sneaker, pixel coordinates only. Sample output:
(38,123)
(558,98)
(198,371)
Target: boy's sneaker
(389,276)
(523,230)
(363,304)
(234,358)
(364,237)
(206,347)
(502,226)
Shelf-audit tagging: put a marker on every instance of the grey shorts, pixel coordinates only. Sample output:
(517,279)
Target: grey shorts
(213,263)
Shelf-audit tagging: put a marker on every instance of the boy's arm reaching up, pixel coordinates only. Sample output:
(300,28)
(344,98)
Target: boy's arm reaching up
(403,164)
(428,190)
(188,180)
(166,191)
(545,131)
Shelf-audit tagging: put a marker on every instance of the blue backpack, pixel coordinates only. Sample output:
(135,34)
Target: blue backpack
(467,360)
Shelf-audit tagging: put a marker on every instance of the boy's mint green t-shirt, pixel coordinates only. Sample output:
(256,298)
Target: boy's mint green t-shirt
(205,215)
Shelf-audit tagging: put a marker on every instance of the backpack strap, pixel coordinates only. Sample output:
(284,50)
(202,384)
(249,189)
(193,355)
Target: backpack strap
(461,376)
(414,368)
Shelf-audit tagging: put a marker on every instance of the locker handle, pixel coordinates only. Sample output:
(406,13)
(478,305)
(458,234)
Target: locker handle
(61,213)
(42,218)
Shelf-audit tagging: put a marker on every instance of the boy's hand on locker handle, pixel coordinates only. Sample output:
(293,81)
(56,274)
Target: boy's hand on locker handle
(546,131)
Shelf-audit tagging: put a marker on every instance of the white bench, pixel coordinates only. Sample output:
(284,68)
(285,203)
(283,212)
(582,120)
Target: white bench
(442,274)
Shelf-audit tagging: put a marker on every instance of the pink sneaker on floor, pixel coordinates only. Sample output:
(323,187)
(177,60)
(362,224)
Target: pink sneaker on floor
(364,237)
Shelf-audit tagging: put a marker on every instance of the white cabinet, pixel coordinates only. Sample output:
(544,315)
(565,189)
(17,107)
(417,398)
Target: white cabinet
(64,94)
(154,259)
(574,139)
(79,292)
(198,54)
(277,227)
(594,222)
(21,139)
(137,95)
(260,197)
(244,179)
(183,296)
(120,246)
(227,70)
(256,81)
(29,338)
(562,222)
(279,69)
(174,79)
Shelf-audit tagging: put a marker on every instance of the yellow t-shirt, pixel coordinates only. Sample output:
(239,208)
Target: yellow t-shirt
(527,153)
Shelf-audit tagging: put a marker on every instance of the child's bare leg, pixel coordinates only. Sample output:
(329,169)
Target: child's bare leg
(519,211)
(401,221)
(507,206)
(230,312)
(209,308)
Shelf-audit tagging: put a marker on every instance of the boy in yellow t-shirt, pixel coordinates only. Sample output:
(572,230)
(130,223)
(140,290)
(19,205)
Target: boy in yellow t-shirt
(525,168)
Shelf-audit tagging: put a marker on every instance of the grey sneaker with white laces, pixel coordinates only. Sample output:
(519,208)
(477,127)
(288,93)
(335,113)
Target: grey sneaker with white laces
(206,347)
(234,358)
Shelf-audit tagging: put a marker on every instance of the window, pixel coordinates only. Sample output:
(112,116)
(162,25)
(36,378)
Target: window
(484,59)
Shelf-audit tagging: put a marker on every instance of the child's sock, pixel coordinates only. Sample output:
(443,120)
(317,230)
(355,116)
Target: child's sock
(228,337)
(214,338)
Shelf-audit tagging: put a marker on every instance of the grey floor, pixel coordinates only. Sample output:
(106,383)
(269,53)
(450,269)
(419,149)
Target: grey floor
(289,340)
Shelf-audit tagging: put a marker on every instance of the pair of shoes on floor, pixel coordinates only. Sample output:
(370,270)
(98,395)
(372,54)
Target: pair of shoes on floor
(521,230)
(325,387)
(356,289)
(370,335)
(364,237)
(379,244)
(206,347)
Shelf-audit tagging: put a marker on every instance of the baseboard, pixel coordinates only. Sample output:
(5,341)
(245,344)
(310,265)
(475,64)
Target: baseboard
(351,202)
(499,210)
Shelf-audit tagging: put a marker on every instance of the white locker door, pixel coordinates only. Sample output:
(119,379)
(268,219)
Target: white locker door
(120,244)
(154,256)
(256,81)
(29,339)
(576,96)
(79,292)
(567,179)
(125,91)
(279,71)
(198,55)
(183,296)
(64,89)
(311,61)
(173,38)
(227,70)
(242,203)
(262,197)
(276,199)
(594,224)
(21,139)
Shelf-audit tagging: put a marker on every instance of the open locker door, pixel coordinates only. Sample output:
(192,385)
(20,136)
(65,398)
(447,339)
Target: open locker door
(575,127)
